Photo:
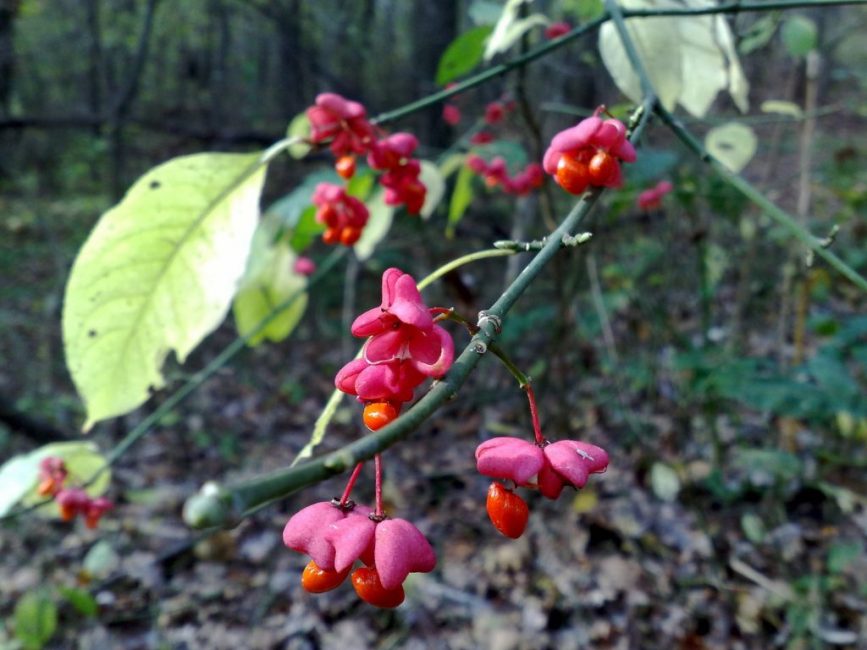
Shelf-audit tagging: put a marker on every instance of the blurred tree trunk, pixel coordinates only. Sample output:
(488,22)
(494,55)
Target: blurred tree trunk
(122,103)
(8,12)
(435,25)
(95,62)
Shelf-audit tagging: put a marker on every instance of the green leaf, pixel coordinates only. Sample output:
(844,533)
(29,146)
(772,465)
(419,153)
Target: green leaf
(299,127)
(436,187)
(799,35)
(451,164)
(664,481)
(759,34)
(733,144)
(688,59)
(842,554)
(81,600)
(19,475)
(463,54)
(510,27)
(753,527)
(158,273)
(306,230)
(35,619)
(270,281)
(360,185)
(462,196)
(377,227)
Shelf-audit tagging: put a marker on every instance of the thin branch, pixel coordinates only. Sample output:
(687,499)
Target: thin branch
(773,210)
(222,506)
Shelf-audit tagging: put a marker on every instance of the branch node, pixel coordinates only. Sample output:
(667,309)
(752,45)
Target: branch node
(480,347)
(487,317)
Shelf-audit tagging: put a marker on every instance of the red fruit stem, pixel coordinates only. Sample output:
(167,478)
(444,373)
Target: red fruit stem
(351,484)
(377,460)
(534,414)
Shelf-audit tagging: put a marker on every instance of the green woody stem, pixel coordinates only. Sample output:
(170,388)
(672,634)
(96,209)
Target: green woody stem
(226,506)
(782,217)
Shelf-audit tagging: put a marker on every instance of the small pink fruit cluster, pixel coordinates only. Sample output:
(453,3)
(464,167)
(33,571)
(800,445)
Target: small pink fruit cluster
(651,199)
(543,466)
(71,501)
(556,30)
(404,346)
(589,154)
(496,174)
(495,112)
(339,533)
(344,124)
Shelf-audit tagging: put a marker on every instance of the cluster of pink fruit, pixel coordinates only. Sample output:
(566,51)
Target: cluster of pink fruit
(344,124)
(72,501)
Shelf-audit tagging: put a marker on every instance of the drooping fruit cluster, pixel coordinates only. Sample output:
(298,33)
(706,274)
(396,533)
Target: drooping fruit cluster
(589,154)
(404,348)
(344,124)
(547,467)
(496,174)
(651,199)
(71,501)
(338,533)
(344,216)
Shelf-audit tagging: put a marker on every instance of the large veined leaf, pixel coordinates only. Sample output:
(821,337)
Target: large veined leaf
(689,59)
(19,475)
(158,273)
(270,280)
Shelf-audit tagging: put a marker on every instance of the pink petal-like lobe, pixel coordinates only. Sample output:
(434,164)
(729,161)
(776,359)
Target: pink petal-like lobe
(509,458)
(350,538)
(304,532)
(401,549)
(432,352)
(574,461)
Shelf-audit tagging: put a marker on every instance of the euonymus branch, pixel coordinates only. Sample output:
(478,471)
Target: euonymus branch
(225,506)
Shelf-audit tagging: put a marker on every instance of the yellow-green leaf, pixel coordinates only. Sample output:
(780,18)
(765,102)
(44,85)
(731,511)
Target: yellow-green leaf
(733,144)
(269,282)
(436,187)
(35,619)
(158,273)
(463,54)
(377,226)
(462,196)
(299,127)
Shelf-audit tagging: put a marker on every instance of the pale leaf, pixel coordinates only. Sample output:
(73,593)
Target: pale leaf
(733,144)
(158,273)
(377,226)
